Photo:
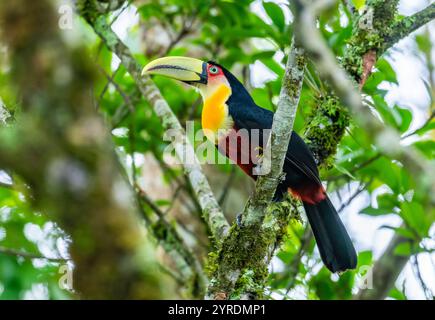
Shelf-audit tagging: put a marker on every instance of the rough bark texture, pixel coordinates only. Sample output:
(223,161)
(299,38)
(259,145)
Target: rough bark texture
(74,175)
(402,28)
(211,211)
(386,139)
(371,35)
(239,268)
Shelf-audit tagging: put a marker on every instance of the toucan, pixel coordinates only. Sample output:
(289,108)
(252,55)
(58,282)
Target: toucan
(228,109)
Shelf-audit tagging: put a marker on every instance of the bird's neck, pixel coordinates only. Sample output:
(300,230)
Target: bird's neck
(215,118)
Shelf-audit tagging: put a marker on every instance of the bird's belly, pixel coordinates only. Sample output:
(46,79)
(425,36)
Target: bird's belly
(239,146)
(245,151)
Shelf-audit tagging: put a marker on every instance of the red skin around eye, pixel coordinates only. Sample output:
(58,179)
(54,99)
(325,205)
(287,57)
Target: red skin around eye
(211,75)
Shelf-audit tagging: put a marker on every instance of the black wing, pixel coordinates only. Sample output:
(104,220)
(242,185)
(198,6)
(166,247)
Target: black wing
(298,154)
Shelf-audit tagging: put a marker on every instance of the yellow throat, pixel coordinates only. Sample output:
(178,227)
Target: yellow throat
(215,119)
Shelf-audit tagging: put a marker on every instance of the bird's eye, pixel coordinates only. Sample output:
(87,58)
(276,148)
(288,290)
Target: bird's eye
(214,70)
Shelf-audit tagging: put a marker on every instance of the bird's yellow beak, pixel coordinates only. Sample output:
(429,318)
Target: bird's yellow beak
(189,70)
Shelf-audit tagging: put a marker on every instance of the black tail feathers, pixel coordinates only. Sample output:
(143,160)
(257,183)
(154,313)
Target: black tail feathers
(335,246)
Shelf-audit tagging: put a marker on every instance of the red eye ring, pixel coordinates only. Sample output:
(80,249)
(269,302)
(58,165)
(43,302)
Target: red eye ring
(213,70)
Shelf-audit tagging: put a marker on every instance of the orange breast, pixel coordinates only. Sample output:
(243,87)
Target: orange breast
(215,111)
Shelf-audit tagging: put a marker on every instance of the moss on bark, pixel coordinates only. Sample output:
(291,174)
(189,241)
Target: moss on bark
(239,270)
(326,125)
(370,31)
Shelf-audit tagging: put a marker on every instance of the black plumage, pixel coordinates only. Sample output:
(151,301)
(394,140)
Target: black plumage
(302,178)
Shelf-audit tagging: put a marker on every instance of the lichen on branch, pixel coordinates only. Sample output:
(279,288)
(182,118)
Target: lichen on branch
(326,125)
(211,211)
(240,265)
(369,32)
(404,27)
(386,139)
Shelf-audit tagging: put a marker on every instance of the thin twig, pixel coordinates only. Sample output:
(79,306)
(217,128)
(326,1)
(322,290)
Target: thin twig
(407,25)
(178,278)
(293,267)
(211,211)
(106,85)
(227,186)
(386,138)
(357,167)
(183,249)
(28,255)
(358,191)
(432,116)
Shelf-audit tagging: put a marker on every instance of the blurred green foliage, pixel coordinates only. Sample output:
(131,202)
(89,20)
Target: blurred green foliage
(231,33)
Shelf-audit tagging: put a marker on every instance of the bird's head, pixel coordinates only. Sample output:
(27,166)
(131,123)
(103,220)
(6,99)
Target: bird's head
(222,93)
(207,77)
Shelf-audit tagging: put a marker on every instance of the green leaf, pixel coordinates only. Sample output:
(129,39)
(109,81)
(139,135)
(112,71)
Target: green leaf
(403,249)
(427,147)
(365,258)
(415,217)
(359,3)
(276,14)
(401,231)
(262,98)
(397,294)
(387,70)
(385,111)
(162,202)
(429,127)
(371,86)
(424,43)
(405,118)
(387,201)
(387,172)
(375,211)
(344,171)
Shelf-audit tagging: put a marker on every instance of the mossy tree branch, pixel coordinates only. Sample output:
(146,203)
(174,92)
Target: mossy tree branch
(370,30)
(364,51)
(385,138)
(240,266)
(211,211)
(61,148)
(279,139)
(376,30)
(165,232)
(407,25)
